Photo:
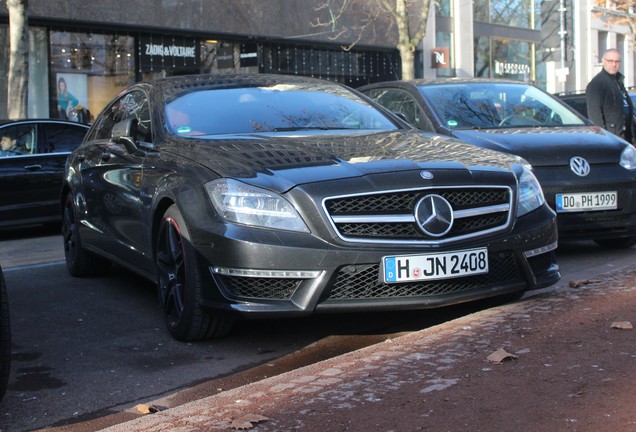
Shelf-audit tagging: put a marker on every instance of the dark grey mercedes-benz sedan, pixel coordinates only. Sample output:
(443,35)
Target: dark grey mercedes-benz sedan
(267,196)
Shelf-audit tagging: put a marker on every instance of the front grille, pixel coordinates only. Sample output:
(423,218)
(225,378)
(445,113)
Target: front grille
(259,288)
(389,216)
(362,282)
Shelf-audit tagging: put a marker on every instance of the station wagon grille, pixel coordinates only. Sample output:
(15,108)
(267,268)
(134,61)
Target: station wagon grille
(389,216)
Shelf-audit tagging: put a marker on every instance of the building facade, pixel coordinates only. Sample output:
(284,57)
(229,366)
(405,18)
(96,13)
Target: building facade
(93,50)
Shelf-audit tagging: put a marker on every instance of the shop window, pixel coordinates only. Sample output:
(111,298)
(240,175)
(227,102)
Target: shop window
(515,13)
(503,58)
(444,7)
(445,39)
(88,70)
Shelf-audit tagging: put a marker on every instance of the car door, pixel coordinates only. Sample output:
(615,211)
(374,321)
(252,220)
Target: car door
(112,179)
(26,192)
(55,142)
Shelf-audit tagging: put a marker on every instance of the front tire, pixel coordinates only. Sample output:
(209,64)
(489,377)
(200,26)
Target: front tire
(179,283)
(79,261)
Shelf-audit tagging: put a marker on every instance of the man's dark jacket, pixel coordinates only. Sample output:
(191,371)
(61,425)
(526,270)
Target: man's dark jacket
(605,96)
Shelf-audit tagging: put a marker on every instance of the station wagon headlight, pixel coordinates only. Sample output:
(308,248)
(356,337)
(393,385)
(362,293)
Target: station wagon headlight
(530,193)
(628,157)
(244,204)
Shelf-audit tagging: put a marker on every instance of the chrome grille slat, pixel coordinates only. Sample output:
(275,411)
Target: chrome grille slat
(388,216)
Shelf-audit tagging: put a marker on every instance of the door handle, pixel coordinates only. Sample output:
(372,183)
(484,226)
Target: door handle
(34,167)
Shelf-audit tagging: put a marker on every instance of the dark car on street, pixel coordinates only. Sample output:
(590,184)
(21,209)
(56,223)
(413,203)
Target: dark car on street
(272,196)
(32,168)
(578,101)
(588,175)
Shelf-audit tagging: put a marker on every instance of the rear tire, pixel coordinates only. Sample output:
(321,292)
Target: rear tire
(179,284)
(79,261)
(617,243)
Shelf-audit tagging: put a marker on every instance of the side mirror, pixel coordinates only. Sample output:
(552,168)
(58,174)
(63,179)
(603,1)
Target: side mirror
(124,133)
(401,115)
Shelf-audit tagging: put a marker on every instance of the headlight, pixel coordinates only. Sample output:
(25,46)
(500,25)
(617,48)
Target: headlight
(244,204)
(628,157)
(530,193)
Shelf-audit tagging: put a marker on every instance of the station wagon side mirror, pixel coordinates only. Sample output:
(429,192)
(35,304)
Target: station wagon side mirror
(124,133)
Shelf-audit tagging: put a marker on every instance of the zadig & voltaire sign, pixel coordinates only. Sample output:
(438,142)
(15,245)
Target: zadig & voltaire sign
(168,52)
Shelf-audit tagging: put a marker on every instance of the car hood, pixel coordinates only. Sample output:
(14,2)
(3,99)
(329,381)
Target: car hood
(549,146)
(282,162)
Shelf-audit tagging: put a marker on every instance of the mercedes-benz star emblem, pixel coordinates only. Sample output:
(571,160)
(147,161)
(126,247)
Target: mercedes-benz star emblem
(579,166)
(426,175)
(434,215)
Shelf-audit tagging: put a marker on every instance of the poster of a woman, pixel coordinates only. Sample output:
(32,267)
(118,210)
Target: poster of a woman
(70,104)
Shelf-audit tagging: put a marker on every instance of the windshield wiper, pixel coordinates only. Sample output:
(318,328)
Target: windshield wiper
(299,128)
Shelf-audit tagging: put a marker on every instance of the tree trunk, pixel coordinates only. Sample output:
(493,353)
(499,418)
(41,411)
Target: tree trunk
(18,80)
(407,57)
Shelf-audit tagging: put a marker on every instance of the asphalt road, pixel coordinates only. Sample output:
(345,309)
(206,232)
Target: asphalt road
(87,348)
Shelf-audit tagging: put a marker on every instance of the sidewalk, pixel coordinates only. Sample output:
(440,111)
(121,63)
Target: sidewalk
(569,369)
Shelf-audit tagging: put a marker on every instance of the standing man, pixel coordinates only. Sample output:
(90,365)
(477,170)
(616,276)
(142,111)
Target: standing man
(608,104)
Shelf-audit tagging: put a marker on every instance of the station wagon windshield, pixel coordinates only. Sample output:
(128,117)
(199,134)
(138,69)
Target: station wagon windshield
(485,106)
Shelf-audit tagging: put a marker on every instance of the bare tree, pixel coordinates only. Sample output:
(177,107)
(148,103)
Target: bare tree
(408,17)
(18,80)
(617,12)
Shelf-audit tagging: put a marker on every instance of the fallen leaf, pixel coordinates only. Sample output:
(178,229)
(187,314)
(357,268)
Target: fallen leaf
(247,421)
(623,325)
(580,283)
(147,408)
(500,355)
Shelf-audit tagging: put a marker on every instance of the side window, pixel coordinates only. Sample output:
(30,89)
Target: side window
(18,140)
(399,101)
(63,138)
(133,105)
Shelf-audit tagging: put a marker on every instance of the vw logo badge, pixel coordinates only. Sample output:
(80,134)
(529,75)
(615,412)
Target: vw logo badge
(434,215)
(579,166)
(427,175)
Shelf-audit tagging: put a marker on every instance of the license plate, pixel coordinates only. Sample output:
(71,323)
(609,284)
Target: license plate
(409,268)
(590,201)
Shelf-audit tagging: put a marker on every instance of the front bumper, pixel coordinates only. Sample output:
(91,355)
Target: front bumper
(255,273)
(593,225)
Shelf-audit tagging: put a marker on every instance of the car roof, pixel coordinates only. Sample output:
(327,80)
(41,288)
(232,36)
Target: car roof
(437,81)
(186,83)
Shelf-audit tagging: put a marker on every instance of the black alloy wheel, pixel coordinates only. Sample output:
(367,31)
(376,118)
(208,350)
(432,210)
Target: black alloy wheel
(179,283)
(79,261)
(171,272)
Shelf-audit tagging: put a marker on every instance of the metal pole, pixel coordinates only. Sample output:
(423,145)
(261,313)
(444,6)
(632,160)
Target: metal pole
(562,33)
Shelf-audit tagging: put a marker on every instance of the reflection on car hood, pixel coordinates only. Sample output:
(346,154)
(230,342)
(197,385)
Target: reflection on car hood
(549,146)
(281,162)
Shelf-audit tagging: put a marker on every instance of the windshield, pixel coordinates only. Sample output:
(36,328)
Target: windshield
(279,108)
(493,105)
